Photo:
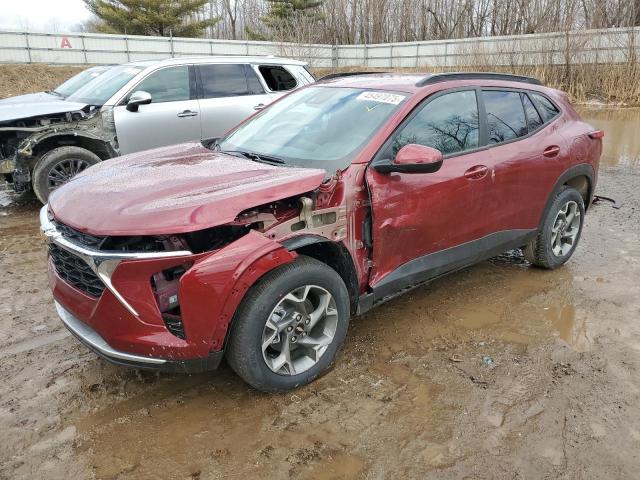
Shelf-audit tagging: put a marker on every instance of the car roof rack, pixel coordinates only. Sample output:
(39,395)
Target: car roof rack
(446,77)
(331,76)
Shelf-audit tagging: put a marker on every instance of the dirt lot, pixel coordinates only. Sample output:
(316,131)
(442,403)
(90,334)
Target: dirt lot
(19,79)
(499,371)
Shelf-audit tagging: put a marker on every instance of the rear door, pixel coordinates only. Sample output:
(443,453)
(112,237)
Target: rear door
(422,221)
(228,93)
(170,118)
(524,157)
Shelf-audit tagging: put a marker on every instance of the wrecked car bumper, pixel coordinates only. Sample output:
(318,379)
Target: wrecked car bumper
(106,299)
(92,340)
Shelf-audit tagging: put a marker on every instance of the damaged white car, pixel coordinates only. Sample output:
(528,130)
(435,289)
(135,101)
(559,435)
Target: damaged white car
(135,107)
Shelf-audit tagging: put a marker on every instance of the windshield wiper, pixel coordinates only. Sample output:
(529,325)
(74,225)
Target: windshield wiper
(256,157)
(53,92)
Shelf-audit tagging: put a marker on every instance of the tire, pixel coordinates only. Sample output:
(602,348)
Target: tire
(545,251)
(251,331)
(58,166)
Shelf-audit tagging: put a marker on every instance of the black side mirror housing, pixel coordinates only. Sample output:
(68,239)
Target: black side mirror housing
(412,158)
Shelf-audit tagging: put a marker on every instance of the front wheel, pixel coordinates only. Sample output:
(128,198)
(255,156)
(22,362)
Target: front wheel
(290,326)
(558,238)
(58,166)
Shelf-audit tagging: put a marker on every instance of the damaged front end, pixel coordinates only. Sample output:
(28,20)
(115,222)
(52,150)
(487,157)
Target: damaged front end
(171,269)
(43,127)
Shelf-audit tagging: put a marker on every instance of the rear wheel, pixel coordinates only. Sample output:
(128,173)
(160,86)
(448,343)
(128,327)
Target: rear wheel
(560,232)
(290,326)
(58,166)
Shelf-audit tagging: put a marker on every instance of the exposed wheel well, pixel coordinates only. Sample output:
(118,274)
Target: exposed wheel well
(99,147)
(582,184)
(337,257)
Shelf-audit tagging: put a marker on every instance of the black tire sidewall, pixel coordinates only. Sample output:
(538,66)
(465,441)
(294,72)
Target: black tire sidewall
(244,350)
(53,158)
(566,195)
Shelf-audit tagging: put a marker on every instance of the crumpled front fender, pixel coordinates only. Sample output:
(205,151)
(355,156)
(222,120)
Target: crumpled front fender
(211,291)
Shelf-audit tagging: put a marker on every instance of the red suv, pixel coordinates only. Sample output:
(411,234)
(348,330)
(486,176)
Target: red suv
(261,245)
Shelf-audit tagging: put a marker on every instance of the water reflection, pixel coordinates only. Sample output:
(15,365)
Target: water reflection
(621,141)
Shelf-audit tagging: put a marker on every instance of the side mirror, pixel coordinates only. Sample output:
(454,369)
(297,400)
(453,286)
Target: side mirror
(412,158)
(137,98)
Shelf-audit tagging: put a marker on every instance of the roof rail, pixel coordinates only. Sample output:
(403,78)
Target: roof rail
(445,77)
(346,74)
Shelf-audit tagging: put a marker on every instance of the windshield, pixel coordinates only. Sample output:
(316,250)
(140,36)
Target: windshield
(320,127)
(101,89)
(79,80)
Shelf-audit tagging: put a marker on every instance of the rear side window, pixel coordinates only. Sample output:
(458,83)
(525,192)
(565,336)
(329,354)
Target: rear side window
(170,84)
(278,79)
(547,109)
(223,80)
(533,117)
(448,122)
(505,115)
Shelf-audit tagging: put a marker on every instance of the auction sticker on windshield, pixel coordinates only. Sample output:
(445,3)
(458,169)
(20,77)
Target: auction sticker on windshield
(381,97)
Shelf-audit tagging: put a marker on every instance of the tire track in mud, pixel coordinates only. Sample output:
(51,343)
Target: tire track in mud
(33,343)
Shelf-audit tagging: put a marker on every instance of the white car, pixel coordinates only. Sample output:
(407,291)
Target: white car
(135,107)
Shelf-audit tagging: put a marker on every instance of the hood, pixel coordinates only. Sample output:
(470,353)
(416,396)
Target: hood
(11,111)
(31,98)
(175,189)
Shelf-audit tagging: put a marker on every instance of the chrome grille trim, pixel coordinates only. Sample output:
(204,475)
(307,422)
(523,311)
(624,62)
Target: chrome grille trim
(103,263)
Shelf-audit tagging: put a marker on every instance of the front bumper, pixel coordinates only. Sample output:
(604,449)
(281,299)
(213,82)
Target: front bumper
(125,317)
(122,328)
(91,339)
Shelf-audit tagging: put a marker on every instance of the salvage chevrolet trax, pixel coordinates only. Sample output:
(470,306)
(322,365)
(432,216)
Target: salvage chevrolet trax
(260,246)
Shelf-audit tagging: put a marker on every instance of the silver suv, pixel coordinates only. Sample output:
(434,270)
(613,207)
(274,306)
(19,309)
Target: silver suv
(135,107)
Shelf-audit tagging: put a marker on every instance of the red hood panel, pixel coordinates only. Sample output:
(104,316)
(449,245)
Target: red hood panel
(174,189)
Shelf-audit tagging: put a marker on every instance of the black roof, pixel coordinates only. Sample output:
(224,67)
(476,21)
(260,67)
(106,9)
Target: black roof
(445,77)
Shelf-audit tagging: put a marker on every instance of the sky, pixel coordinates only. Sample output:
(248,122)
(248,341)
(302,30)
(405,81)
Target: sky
(42,15)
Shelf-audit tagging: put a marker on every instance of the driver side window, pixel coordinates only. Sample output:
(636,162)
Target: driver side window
(167,85)
(449,123)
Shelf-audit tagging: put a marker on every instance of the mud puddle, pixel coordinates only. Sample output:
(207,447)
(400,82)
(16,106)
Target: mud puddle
(497,371)
(622,142)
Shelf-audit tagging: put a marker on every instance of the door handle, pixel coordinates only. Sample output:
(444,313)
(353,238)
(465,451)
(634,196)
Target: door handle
(551,151)
(260,106)
(476,172)
(187,113)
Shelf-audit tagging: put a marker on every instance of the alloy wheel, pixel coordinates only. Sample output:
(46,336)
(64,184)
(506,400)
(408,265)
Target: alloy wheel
(64,171)
(566,227)
(299,330)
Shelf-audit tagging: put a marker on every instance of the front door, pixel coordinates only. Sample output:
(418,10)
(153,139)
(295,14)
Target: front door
(424,222)
(229,93)
(172,116)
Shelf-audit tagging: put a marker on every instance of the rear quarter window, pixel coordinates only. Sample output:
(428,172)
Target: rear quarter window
(546,108)
(278,79)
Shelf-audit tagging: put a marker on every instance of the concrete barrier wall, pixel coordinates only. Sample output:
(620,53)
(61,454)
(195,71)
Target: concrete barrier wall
(615,45)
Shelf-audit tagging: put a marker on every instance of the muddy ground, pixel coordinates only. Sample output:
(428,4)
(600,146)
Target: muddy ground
(499,371)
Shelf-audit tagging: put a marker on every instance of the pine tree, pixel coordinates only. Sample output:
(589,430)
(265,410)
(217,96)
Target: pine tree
(283,13)
(150,17)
